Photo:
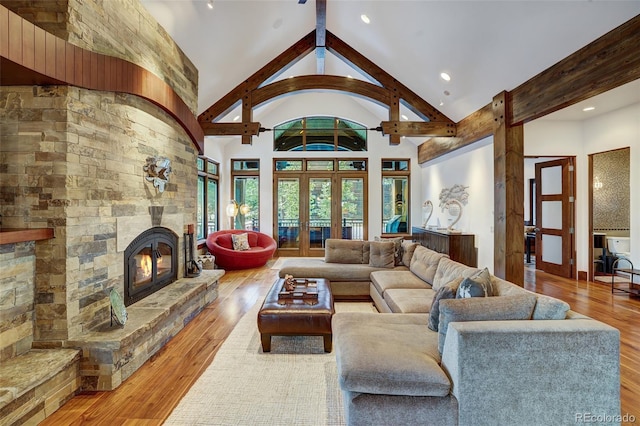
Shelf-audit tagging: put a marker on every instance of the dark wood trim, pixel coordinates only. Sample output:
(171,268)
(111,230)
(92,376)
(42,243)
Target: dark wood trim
(226,129)
(508,171)
(20,235)
(34,57)
(387,91)
(418,128)
(608,62)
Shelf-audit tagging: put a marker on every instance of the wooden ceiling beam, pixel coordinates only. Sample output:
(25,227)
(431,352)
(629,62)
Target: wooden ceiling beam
(608,62)
(275,67)
(320,82)
(418,128)
(359,62)
(230,129)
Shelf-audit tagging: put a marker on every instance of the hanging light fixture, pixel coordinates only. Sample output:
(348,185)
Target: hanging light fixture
(232,212)
(210,4)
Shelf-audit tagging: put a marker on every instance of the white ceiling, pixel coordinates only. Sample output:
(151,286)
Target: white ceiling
(486,46)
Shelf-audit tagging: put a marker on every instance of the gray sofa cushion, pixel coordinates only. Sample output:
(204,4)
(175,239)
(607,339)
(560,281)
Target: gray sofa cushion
(382,254)
(424,263)
(318,268)
(388,354)
(345,251)
(448,270)
(386,279)
(514,307)
(409,301)
(547,308)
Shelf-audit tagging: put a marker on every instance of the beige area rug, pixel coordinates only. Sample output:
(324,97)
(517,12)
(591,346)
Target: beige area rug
(607,279)
(279,261)
(295,384)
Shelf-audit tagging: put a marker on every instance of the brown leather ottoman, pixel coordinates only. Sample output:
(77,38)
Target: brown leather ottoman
(296,317)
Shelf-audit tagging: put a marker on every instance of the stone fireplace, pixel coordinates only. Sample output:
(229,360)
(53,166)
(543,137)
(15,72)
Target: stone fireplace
(150,263)
(72,160)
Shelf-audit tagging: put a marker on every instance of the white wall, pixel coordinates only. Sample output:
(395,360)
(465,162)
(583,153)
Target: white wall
(330,104)
(473,167)
(618,129)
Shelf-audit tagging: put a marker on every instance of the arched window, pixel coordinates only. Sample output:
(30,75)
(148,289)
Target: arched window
(320,134)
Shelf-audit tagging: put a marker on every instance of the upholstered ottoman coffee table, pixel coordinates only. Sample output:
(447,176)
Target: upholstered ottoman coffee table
(298,312)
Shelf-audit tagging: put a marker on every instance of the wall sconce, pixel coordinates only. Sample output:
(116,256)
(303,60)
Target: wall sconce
(245,209)
(232,212)
(597,184)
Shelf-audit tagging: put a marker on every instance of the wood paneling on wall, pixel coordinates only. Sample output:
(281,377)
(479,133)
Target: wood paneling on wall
(30,56)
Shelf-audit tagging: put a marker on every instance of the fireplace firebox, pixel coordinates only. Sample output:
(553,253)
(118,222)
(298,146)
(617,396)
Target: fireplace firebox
(150,263)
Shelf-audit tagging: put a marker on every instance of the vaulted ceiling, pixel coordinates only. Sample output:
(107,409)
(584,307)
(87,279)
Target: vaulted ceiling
(485,46)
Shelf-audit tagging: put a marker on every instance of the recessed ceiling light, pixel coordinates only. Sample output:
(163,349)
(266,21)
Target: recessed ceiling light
(446,93)
(591,108)
(349,76)
(445,76)
(441,103)
(404,117)
(236,118)
(365,18)
(210,4)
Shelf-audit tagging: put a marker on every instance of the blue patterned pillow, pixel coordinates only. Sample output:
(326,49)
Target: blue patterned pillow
(471,288)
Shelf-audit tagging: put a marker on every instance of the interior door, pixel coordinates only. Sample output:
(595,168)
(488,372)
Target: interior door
(555,217)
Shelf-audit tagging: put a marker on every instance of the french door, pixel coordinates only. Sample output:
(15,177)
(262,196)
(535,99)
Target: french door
(555,186)
(311,207)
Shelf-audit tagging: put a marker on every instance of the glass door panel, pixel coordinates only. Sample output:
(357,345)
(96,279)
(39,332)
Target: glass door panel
(288,214)
(319,207)
(353,208)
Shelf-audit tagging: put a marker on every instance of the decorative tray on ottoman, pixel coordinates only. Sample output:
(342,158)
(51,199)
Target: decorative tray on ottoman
(302,289)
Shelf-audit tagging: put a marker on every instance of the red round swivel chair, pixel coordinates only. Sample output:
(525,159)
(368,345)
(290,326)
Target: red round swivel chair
(261,249)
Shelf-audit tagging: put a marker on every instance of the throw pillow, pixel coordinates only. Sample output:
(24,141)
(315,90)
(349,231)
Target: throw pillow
(471,288)
(381,254)
(484,277)
(499,308)
(397,241)
(408,247)
(447,291)
(240,241)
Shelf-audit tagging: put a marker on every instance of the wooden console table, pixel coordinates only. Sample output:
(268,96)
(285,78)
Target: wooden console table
(460,247)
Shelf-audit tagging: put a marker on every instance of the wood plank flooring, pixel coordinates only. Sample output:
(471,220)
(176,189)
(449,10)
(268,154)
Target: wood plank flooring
(149,396)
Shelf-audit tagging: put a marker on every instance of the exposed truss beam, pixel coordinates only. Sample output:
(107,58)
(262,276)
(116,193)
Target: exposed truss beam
(418,128)
(606,63)
(230,129)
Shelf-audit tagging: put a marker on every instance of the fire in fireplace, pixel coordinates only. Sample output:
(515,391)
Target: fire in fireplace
(150,263)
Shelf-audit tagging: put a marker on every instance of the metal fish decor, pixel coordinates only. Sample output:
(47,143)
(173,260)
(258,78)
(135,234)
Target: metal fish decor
(158,170)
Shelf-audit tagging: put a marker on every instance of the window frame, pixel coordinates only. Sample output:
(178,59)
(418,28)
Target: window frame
(205,175)
(245,173)
(396,174)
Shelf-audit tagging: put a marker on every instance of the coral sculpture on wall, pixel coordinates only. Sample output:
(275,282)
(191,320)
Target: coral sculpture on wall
(158,170)
(456,192)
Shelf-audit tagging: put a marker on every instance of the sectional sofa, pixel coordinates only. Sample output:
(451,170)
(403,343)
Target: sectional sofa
(509,357)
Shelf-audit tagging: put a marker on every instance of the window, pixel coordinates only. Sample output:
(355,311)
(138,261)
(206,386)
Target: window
(395,196)
(320,134)
(207,202)
(245,188)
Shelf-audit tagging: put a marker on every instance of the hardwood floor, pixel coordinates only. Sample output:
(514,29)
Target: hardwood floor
(149,396)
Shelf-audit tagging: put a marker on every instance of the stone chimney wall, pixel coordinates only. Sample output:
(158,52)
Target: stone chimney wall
(119,28)
(72,159)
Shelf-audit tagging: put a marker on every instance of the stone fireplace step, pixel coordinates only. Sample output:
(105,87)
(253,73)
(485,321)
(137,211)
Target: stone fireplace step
(111,354)
(35,384)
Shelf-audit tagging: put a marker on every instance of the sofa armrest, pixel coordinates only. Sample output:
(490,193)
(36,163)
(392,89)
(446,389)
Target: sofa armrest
(533,372)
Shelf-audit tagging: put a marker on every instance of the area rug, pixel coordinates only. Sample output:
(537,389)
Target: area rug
(295,384)
(278,263)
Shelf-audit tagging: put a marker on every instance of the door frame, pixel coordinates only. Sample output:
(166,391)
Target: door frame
(303,177)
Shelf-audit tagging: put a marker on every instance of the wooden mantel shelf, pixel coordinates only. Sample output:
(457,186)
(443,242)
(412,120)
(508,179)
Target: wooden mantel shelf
(18,235)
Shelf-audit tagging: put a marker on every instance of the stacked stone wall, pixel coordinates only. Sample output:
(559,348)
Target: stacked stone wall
(17,283)
(119,28)
(74,162)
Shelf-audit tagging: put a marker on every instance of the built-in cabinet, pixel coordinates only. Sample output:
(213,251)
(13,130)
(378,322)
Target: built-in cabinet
(460,247)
